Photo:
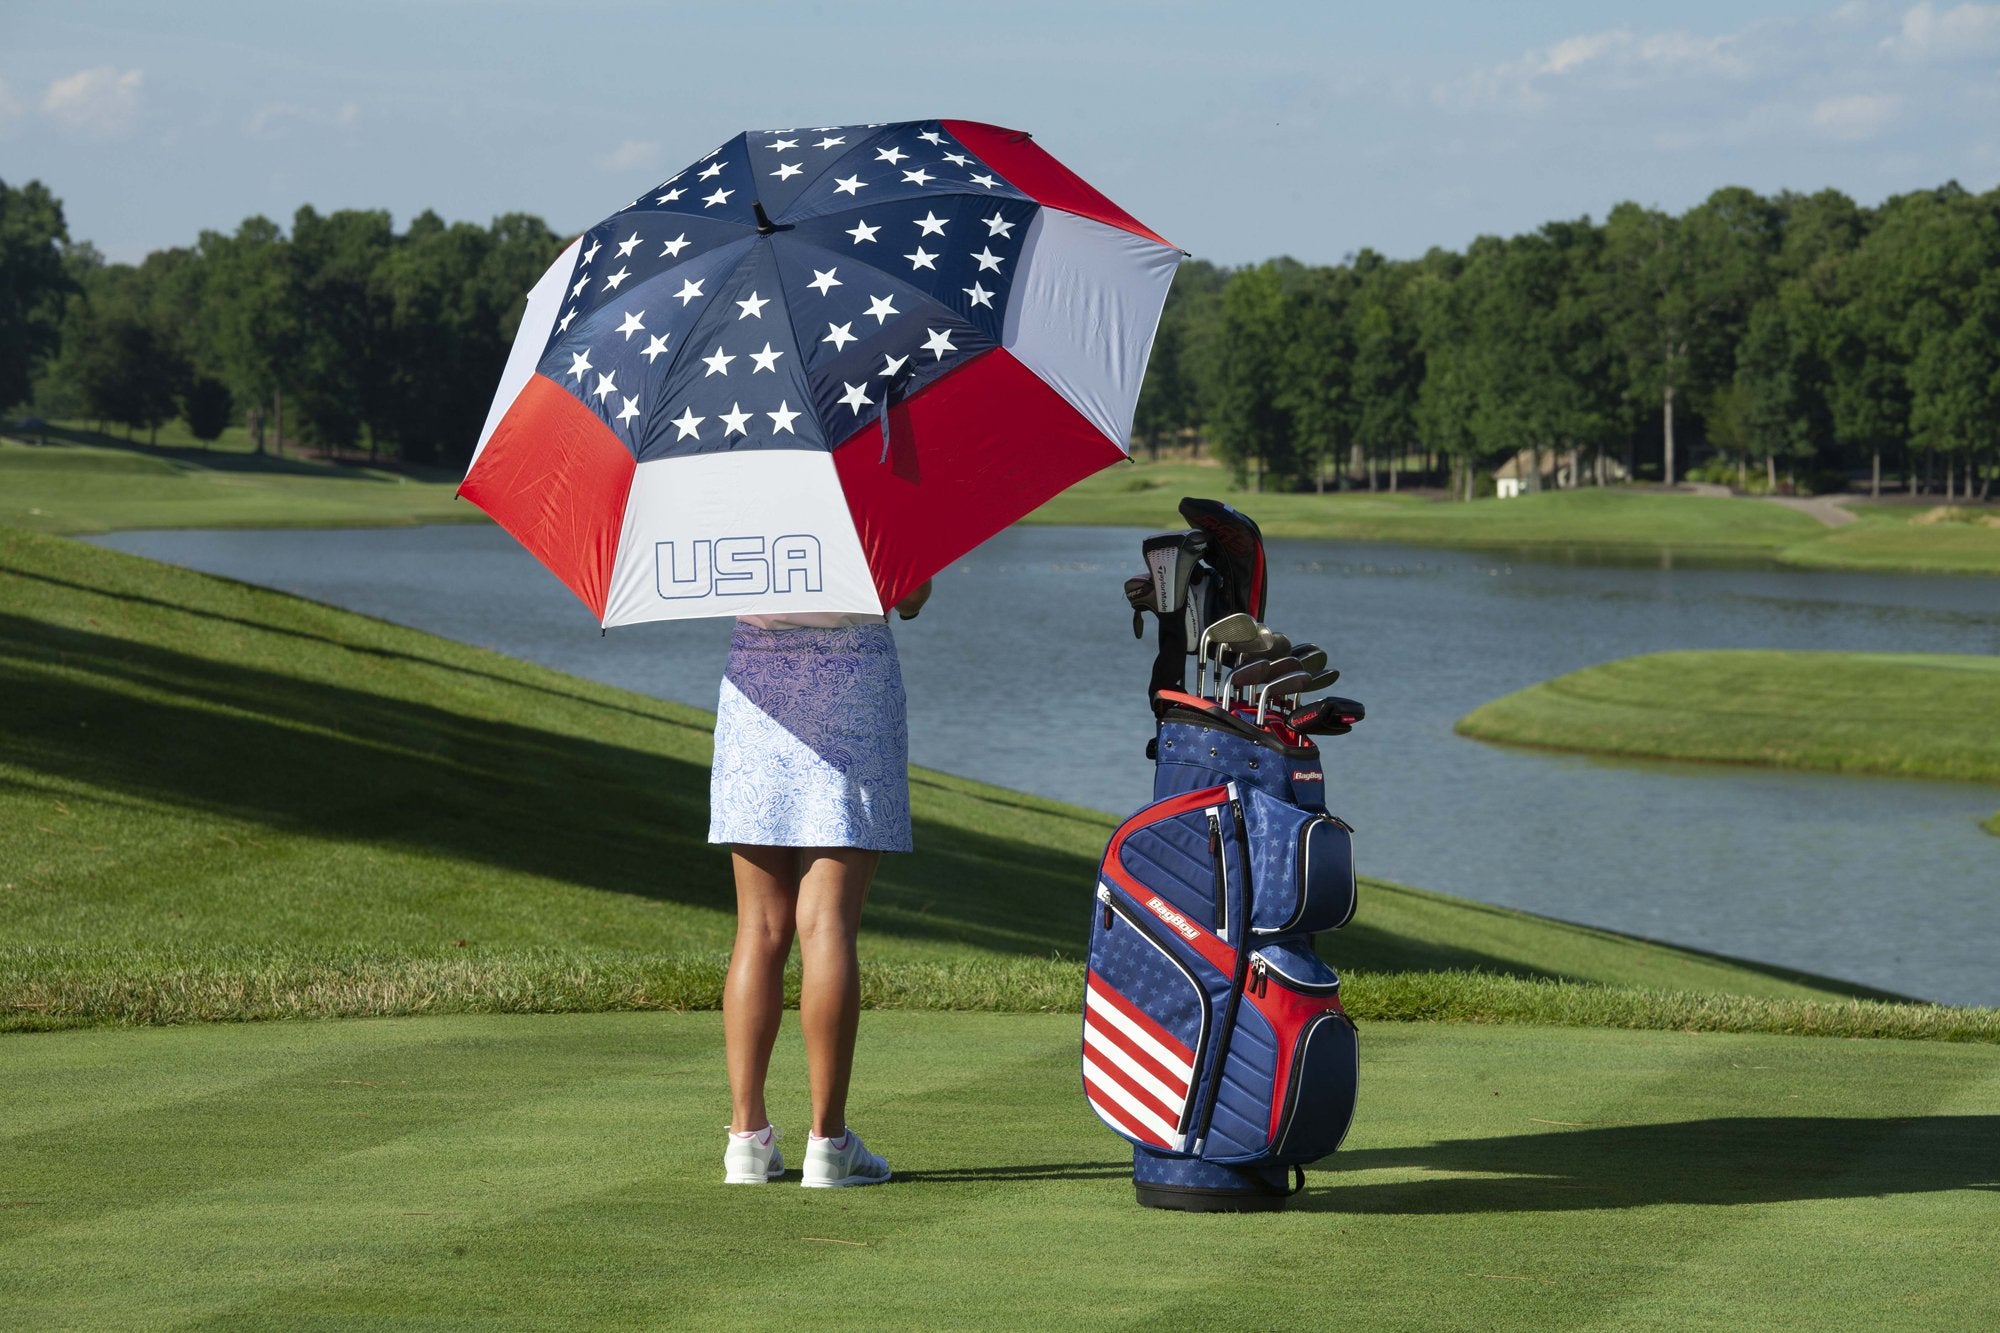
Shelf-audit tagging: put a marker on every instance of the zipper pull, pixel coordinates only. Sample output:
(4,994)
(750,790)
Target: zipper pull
(1260,976)
(1104,897)
(1214,833)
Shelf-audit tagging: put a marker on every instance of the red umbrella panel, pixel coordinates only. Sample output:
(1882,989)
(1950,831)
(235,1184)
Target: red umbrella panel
(815,367)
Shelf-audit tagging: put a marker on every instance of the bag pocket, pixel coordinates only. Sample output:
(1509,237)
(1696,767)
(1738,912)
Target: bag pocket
(1318,1060)
(1146,1027)
(1302,864)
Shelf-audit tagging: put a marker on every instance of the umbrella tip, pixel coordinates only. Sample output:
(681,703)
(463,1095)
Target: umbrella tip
(764,224)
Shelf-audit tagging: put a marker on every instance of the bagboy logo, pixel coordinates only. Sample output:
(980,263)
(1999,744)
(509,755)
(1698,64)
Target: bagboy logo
(1307,775)
(737,566)
(1173,918)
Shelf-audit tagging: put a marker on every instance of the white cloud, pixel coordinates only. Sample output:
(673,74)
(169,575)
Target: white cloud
(1618,58)
(100,102)
(1860,116)
(1930,33)
(630,155)
(274,120)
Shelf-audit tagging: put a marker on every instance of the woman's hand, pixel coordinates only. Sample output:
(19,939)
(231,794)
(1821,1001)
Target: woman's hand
(909,606)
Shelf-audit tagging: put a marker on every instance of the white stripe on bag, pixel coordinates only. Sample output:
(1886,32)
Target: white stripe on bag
(1140,1037)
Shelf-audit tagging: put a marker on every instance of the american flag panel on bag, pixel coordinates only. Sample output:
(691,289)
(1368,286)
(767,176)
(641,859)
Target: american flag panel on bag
(1137,1075)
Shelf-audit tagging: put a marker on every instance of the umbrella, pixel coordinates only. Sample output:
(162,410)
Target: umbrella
(815,367)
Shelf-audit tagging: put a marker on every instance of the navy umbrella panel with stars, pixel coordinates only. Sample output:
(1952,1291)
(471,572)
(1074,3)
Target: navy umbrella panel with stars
(884,258)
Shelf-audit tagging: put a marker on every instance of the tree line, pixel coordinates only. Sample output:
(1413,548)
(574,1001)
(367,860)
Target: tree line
(1793,336)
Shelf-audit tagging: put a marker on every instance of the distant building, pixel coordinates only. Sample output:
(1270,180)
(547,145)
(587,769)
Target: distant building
(1561,471)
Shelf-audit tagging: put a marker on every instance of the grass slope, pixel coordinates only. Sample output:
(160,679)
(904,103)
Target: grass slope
(1899,714)
(218,801)
(561,1172)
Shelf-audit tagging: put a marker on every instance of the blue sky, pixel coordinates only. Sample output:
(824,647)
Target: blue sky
(1238,131)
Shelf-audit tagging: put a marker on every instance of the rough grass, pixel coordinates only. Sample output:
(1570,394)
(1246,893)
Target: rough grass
(221,802)
(560,1171)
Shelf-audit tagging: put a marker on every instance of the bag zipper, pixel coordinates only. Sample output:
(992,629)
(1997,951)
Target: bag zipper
(1221,875)
(1133,919)
(1264,966)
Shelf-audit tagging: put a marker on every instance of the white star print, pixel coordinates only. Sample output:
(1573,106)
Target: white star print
(918,177)
(825,282)
(787,170)
(998,225)
(979,295)
(890,365)
(861,231)
(922,259)
(590,254)
(689,290)
(856,397)
(881,307)
(670,196)
(719,197)
(656,346)
(987,259)
(675,246)
(578,363)
(734,420)
(939,344)
(985,180)
(625,246)
(605,386)
(931,136)
(848,185)
(581,283)
(632,325)
(831,143)
(890,155)
(932,224)
(714,169)
(766,359)
(689,423)
(753,308)
(957,159)
(614,279)
(782,144)
(631,409)
(782,419)
(718,364)
(839,335)
(563,323)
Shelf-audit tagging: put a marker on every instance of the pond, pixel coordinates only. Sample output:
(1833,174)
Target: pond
(1024,673)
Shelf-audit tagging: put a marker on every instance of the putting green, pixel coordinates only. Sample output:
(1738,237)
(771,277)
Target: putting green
(560,1171)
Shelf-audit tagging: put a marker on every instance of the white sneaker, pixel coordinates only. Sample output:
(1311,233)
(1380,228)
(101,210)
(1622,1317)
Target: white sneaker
(753,1159)
(832,1163)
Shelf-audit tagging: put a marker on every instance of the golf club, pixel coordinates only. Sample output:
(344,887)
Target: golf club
(1233,628)
(1248,675)
(1170,561)
(1328,716)
(1319,682)
(1285,665)
(1291,682)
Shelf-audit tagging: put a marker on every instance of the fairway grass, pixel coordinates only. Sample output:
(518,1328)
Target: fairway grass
(562,1172)
(1928,715)
(222,802)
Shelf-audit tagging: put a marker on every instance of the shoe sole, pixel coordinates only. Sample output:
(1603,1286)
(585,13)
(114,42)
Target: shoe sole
(843,1184)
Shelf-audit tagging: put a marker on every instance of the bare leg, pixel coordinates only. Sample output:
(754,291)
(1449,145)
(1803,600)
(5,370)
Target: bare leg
(753,997)
(833,884)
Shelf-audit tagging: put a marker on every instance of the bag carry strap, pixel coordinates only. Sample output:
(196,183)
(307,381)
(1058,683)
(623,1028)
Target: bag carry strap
(1297,1184)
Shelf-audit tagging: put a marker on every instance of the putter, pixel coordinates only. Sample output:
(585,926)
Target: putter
(1290,683)
(1235,628)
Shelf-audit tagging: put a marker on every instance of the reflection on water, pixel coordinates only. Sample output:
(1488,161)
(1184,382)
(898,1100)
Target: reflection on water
(1023,672)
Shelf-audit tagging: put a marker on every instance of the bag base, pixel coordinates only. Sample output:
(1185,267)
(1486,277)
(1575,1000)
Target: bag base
(1189,1185)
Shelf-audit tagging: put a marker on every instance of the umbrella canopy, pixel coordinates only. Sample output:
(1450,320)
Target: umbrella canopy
(815,367)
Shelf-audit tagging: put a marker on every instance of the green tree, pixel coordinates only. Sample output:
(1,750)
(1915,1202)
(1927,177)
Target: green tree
(34,284)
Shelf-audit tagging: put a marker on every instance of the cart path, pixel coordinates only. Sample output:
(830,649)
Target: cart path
(1826,508)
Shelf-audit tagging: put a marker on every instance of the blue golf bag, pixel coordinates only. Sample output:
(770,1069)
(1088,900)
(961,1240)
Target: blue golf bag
(1213,1036)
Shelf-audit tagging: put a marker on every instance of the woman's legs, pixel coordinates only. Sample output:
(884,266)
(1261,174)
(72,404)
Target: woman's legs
(753,996)
(833,884)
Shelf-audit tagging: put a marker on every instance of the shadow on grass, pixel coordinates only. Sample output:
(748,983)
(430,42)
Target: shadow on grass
(239,460)
(979,1175)
(1758,1159)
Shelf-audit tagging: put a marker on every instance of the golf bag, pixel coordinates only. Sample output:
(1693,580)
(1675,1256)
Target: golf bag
(1214,1038)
